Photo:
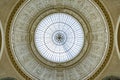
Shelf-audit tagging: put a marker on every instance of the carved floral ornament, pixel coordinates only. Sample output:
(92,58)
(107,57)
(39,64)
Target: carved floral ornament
(29,61)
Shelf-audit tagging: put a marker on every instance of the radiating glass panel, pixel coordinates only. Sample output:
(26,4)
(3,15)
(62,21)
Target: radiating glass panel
(59,37)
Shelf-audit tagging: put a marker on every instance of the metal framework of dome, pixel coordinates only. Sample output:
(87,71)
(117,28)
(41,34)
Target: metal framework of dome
(59,37)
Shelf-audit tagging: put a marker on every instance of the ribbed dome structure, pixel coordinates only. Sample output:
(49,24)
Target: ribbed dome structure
(59,39)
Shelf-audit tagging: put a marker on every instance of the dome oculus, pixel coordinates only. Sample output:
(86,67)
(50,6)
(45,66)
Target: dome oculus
(59,37)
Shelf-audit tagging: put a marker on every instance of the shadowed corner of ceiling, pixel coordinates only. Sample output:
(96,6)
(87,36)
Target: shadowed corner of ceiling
(111,78)
(8,78)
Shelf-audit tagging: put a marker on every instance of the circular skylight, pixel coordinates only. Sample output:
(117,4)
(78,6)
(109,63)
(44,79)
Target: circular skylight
(59,37)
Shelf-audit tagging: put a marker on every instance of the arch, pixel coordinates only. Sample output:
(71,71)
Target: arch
(1,40)
(117,38)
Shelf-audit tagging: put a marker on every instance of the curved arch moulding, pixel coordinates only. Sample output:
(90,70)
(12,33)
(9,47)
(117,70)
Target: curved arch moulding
(1,40)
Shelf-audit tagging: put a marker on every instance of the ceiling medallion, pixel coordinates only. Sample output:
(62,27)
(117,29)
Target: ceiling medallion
(58,40)
(59,37)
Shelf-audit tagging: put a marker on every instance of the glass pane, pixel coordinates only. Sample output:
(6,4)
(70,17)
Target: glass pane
(59,37)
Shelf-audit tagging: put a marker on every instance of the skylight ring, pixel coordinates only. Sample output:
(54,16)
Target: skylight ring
(67,31)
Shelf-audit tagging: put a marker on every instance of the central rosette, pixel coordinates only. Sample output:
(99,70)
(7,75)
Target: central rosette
(59,37)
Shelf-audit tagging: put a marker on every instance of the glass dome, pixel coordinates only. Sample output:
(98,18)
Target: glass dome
(59,37)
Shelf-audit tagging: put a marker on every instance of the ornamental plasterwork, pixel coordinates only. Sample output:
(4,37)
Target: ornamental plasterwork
(96,39)
(1,40)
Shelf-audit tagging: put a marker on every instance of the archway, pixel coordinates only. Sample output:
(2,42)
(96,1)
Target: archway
(118,37)
(1,40)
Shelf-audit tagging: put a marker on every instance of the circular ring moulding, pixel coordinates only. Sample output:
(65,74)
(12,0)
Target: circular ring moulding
(59,37)
(62,41)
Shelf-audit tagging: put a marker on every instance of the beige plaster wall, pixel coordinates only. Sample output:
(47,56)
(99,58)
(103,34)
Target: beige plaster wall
(112,68)
(6,68)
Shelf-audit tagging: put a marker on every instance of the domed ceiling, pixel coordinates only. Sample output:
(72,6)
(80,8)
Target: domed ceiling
(59,39)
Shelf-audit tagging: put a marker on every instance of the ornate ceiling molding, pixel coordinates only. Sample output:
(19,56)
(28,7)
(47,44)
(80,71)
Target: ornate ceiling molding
(1,40)
(107,57)
(117,38)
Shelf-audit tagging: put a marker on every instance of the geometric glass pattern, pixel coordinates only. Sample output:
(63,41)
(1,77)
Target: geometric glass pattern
(59,37)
